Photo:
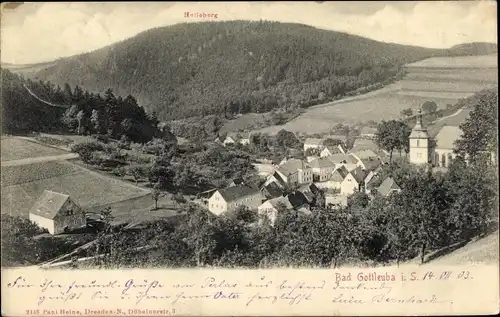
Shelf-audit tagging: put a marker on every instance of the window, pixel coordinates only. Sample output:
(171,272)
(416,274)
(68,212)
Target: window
(418,143)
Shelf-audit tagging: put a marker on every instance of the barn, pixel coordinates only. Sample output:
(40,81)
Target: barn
(57,213)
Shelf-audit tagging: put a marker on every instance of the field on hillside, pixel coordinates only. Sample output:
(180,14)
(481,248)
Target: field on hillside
(16,149)
(87,188)
(444,82)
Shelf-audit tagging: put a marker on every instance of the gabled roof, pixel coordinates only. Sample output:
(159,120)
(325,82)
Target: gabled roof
(334,149)
(363,144)
(387,186)
(275,202)
(291,166)
(313,141)
(299,199)
(371,164)
(447,136)
(337,176)
(278,177)
(49,204)
(311,188)
(322,162)
(359,174)
(273,190)
(238,191)
(342,171)
(364,154)
(342,158)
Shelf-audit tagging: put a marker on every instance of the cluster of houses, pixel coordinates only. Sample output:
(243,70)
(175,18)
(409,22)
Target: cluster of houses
(330,168)
(295,183)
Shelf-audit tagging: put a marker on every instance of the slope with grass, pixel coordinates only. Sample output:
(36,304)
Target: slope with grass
(445,85)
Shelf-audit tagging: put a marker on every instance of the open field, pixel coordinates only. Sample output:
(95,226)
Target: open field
(443,80)
(24,184)
(15,149)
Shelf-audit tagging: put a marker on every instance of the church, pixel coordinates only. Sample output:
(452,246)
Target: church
(420,151)
(438,151)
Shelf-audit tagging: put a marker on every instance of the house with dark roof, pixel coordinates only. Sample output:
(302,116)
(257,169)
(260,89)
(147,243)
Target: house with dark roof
(232,197)
(295,201)
(354,181)
(388,187)
(272,190)
(370,164)
(57,213)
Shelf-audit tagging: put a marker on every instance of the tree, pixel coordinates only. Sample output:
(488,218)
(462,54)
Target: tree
(156,194)
(425,203)
(70,117)
(96,120)
(138,172)
(79,116)
(392,135)
(86,150)
(287,139)
(407,112)
(429,106)
(480,128)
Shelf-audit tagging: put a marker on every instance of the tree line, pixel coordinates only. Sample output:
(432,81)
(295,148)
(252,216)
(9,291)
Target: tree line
(77,111)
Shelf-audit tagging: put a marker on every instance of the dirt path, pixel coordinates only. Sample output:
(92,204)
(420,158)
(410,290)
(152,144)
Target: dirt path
(33,160)
(451,115)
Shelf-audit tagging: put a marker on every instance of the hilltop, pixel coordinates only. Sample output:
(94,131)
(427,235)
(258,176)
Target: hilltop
(234,67)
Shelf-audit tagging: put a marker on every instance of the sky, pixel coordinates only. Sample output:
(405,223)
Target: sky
(39,32)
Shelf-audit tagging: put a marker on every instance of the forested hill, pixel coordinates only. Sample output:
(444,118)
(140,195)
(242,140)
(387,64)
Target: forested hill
(239,66)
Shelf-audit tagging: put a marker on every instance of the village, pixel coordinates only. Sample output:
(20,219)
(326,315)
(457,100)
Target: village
(334,172)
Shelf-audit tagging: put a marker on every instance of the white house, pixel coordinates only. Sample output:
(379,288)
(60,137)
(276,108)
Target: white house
(335,179)
(233,138)
(295,172)
(322,168)
(230,198)
(57,213)
(271,207)
(353,182)
(313,143)
(388,187)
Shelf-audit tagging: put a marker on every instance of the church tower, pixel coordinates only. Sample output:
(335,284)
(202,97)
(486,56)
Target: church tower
(419,143)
